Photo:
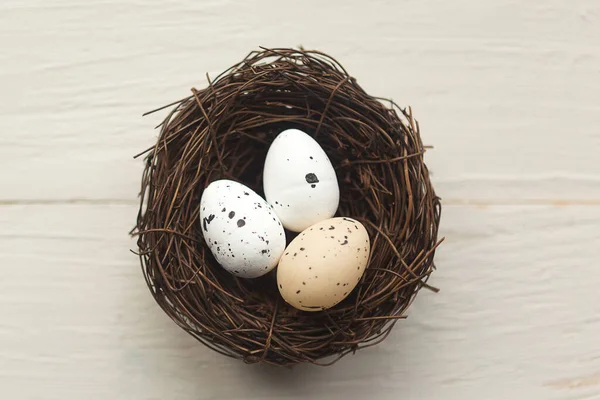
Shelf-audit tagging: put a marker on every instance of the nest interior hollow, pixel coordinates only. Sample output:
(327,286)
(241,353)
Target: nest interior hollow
(224,131)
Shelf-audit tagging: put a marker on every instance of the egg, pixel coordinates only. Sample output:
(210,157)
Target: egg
(241,229)
(323,264)
(299,181)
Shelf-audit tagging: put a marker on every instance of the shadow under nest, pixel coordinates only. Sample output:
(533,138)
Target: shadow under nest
(224,131)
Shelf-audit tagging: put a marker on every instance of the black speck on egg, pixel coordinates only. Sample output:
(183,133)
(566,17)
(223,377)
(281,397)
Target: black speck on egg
(311,178)
(297,292)
(302,249)
(231,214)
(241,223)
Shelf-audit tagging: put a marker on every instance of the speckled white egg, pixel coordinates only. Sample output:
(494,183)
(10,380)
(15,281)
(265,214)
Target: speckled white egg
(299,181)
(323,264)
(241,229)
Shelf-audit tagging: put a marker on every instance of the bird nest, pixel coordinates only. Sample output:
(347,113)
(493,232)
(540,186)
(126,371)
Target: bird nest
(224,132)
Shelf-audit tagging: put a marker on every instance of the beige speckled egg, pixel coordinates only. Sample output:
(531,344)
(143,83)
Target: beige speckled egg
(323,264)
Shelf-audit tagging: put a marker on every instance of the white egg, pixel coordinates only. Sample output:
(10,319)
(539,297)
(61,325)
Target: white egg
(299,181)
(241,229)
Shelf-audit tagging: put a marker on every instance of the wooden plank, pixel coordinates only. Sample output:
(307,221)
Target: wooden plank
(507,92)
(516,317)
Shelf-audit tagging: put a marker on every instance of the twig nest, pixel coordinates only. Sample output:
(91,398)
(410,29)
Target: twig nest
(224,132)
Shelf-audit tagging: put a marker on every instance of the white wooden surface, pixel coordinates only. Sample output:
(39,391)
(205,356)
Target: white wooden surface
(508,92)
